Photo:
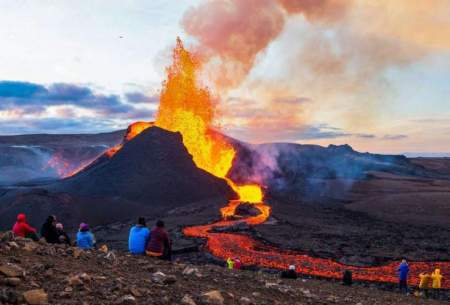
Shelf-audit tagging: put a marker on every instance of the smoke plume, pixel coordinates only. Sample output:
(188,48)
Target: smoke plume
(231,33)
(333,52)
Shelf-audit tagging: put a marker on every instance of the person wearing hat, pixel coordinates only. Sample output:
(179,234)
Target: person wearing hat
(436,278)
(290,273)
(85,239)
(23,229)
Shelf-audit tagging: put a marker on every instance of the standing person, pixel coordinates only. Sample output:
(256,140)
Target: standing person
(139,237)
(436,276)
(85,239)
(230,263)
(403,271)
(424,283)
(237,263)
(48,230)
(347,278)
(23,229)
(290,273)
(159,244)
(63,238)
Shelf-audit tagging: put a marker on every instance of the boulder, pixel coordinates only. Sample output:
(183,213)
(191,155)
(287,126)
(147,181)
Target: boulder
(245,301)
(187,300)
(213,297)
(127,300)
(30,246)
(11,270)
(35,297)
(13,281)
(158,277)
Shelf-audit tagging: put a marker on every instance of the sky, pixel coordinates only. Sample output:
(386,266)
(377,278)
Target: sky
(372,74)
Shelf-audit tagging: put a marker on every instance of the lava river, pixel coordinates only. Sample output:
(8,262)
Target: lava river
(252,252)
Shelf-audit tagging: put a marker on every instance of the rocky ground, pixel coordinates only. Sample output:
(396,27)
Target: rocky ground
(37,273)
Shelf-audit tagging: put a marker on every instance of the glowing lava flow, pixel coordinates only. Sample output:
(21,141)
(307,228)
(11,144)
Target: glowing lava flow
(252,252)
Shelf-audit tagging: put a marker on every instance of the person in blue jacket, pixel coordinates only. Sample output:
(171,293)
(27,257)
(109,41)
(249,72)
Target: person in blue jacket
(139,237)
(403,271)
(85,239)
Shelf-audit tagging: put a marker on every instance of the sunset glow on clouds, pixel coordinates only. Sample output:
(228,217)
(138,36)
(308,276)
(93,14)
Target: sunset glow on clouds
(373,74)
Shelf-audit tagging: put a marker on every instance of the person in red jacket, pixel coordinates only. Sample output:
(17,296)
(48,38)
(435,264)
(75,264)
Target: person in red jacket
(159,244)
(237,263)
(23,229)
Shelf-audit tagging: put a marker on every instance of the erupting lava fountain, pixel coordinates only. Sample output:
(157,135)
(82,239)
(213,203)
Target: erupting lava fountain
(187,108)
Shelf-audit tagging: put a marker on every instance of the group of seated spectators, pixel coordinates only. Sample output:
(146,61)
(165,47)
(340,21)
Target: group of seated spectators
(141,241)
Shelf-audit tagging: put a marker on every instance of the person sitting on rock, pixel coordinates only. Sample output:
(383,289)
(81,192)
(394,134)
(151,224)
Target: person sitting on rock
(403,271)
(159,244)
(290,273)
(62,235)
(139,237)
(23,229)
(48,230)
(85,239)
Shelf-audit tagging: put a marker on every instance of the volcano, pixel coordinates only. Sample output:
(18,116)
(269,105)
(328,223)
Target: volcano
(154,169)
(151,174)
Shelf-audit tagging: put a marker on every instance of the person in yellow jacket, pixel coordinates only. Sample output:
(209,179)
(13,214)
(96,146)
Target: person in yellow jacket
(436,276)
(230,263)
(424,283)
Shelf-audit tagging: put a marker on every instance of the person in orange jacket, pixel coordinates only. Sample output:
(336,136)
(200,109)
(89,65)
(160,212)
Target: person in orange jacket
(23,229)
(436,276)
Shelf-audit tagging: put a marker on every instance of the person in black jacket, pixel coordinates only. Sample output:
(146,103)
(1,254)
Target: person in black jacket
(347,278)
(48,230)
(290,273)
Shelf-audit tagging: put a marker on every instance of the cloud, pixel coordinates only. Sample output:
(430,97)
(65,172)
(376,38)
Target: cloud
(23,94)
(322,131)
(365,136)
(140,98)
(14,89)
(29,107)
(394,137)
(287,134)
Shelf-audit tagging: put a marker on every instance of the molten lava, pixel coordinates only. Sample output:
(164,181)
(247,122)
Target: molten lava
(132,131)
(187,108)
(252,252)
